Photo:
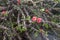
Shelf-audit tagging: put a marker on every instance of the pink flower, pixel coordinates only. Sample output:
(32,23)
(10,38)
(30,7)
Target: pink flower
(3,12)
(18,1)
(39,20)
(34,18)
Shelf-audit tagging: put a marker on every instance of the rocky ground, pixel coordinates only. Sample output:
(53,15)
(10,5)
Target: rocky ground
(29,21)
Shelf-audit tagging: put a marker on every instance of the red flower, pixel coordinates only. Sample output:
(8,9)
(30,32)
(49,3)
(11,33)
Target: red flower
(46,10)
(3,12)
(34,18)
(39,20)
(18,1)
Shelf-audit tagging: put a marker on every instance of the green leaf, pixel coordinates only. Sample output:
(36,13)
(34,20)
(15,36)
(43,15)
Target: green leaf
(46,25)
(42,9)
(36,34)
(21,28)
(28,18)
(24,29)
(46,33)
